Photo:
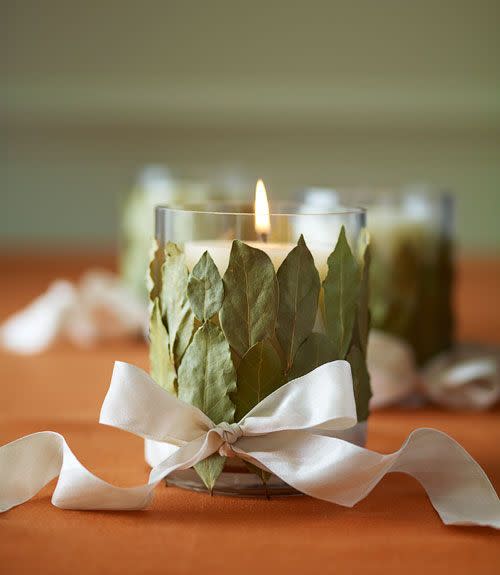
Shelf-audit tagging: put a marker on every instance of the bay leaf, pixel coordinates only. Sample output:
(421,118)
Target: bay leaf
(341,293)
(161,365)
(363,316)
(364,241)
(434,321)
(207,376)
(299,287)
(206,379)
(153,279)
(210,469)
(361,382)
(316,350)
(179,317)
(264,476)
(258,375)
(248,313)
(396,290)
(205,288)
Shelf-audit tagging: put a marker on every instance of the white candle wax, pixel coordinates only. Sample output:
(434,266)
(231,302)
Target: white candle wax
(220,250)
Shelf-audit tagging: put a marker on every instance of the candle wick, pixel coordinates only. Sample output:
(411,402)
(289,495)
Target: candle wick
(263,238)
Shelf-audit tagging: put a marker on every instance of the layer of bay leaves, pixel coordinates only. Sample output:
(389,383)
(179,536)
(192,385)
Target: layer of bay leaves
(341,294)
(433,331)
(153,278)
(363,315)
(161,364)
(206,379)
(299,287)
(361,382)
(248,313)
(177,312)
(315,351)
(407,288)
(205,288)
(259,374)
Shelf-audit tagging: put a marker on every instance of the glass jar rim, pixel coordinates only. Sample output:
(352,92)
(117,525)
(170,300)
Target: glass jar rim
(210,208)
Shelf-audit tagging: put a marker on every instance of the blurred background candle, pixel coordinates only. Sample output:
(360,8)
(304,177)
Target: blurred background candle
(155,185)
(411,274)
(411,277)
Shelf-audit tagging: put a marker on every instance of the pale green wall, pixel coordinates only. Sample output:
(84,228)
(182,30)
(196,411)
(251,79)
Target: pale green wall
(338,93)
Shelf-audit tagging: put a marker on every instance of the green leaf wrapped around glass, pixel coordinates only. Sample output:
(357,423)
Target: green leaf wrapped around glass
(237,312)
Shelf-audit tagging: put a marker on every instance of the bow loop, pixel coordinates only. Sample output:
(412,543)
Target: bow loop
(135,403)
(323,399)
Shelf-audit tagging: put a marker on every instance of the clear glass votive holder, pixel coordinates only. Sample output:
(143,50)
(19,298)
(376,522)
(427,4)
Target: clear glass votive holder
(187,232)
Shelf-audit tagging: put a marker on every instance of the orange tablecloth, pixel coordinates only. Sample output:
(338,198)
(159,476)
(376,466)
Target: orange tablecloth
(395,530)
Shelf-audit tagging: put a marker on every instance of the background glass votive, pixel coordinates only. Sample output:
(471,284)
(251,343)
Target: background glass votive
(156,184)
(212,227)
(411,274)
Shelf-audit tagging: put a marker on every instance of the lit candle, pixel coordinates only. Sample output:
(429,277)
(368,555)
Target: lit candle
(220,249)
(262,219)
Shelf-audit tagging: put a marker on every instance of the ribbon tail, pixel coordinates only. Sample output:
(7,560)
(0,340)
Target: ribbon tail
(334,470)
(29,463)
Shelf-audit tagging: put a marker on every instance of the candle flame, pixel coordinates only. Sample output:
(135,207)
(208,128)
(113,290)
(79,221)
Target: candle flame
(262,219)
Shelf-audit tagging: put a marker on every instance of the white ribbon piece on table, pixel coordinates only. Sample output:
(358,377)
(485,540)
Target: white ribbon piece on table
(98,307)
(465,377)
(393,373)
(282,434)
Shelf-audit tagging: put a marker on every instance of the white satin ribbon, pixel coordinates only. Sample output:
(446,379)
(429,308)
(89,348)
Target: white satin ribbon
(465,377)
(282,434)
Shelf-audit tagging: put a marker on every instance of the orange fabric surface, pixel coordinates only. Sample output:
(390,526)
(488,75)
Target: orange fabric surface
(394,530)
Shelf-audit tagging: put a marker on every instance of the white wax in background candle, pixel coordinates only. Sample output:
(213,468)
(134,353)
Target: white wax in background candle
(392,226)
(411,219)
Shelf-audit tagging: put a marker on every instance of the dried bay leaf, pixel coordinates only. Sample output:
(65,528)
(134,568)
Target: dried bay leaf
(396,290)
(361,382)
(316,350)
(264,476)
(258,375)
(210,469)
(161,365)
(433,329)
(205,288)
(299,287)
(248,313)
(363,316)
(341,293)
(153,279)
(179,317)
(364,241)
(207,376)
(206,379)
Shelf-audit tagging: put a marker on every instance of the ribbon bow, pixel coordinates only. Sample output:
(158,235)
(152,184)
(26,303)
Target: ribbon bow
(286,434)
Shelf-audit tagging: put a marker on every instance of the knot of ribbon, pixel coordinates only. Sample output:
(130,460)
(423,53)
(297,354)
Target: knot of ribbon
(230,433)
(290,433)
